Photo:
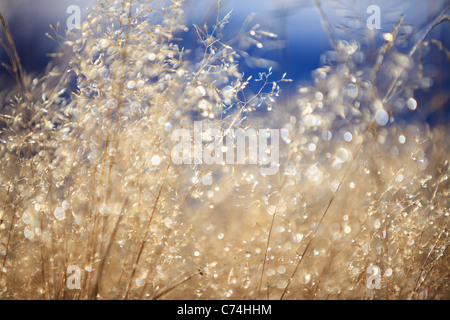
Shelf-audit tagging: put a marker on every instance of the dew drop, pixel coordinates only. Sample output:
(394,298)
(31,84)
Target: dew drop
(112,152)
(131,85)
(65,205)
(200,91)
(334,229)
(319,96)
(156,160)
(307,278)
(59,213)
(381,117)
(348,136)
(271,210)
(281,270)
(28,233)
(204,105)
(327,135)
(412,104)
(140,282)
(388,37)
(341,155)
(26,217)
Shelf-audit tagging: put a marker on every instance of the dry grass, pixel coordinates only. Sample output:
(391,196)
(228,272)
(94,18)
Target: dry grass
(87,178)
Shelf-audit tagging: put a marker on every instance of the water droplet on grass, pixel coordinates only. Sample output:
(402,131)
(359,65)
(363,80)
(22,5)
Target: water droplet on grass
(156,160)
(412,104)
(381,117)
(60,214)
(28,233)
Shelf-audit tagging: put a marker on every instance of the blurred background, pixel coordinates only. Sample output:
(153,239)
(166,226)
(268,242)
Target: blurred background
(302,36)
